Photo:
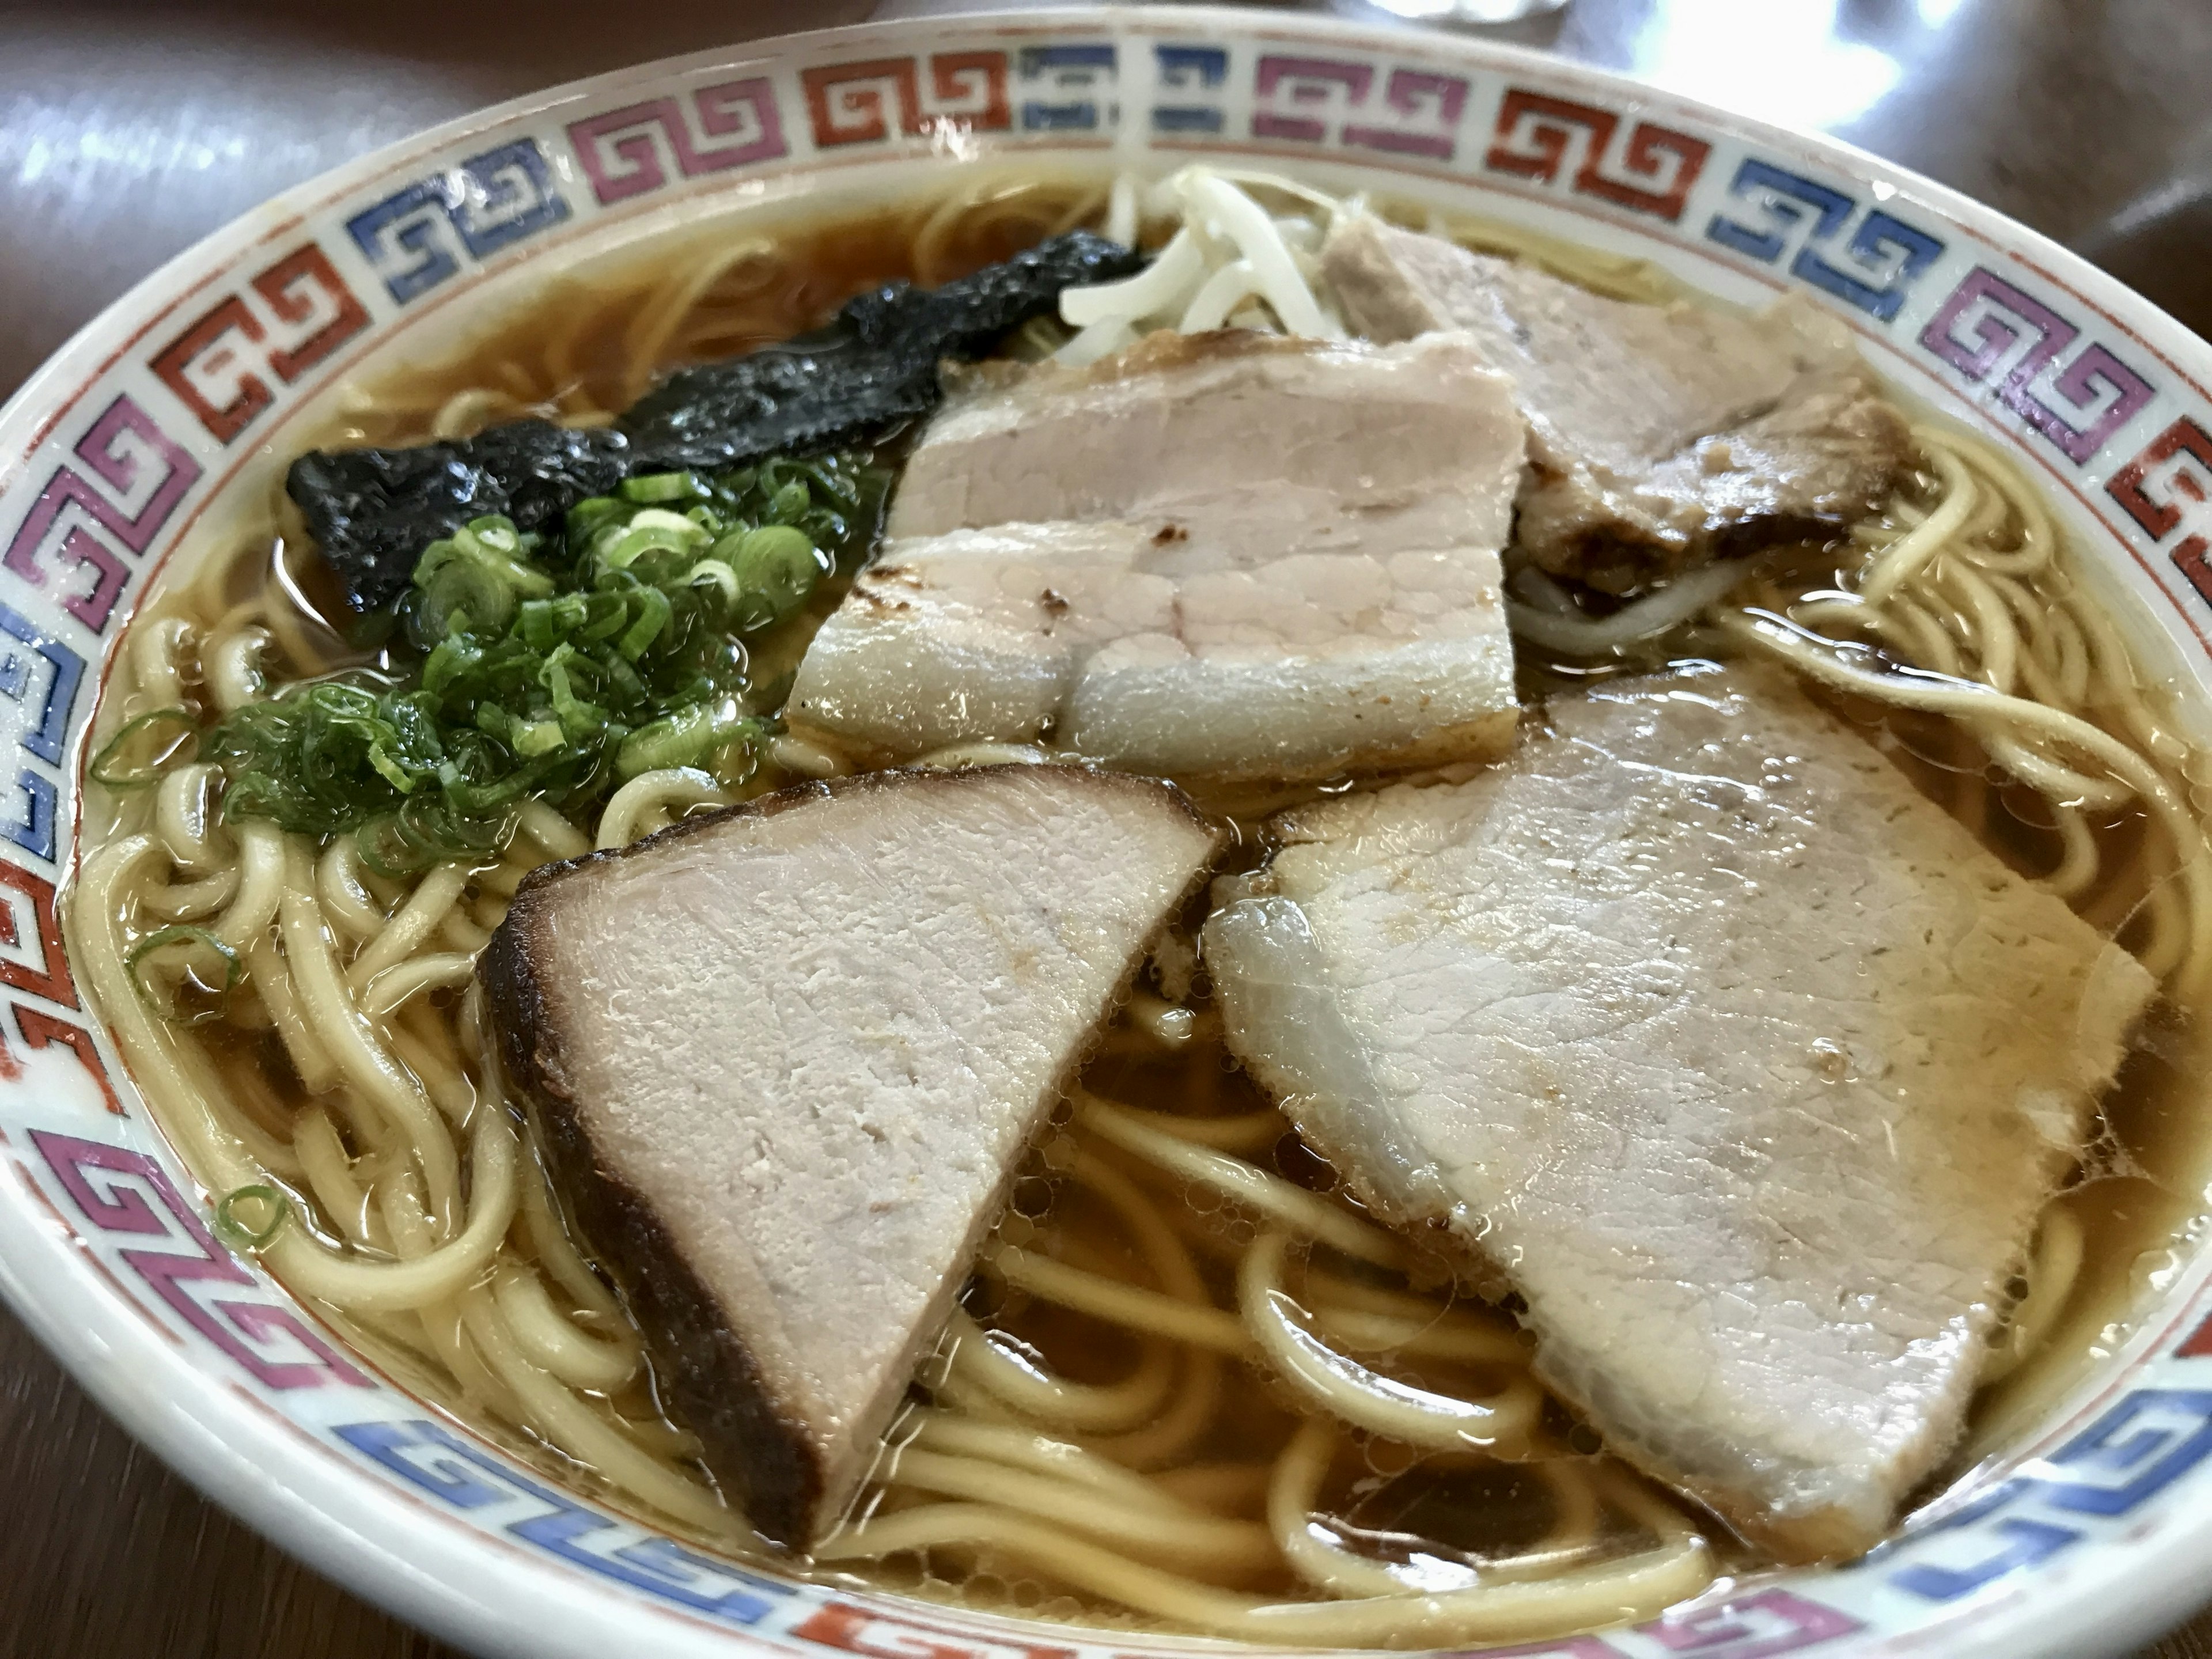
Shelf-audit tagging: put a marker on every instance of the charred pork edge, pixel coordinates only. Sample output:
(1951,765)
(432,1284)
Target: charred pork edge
(712,1377)
(779,1486)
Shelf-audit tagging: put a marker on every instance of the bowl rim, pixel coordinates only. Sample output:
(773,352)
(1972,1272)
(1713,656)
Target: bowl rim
(360,1531)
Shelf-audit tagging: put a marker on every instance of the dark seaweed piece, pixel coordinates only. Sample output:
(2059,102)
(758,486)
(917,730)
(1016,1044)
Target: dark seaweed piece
(968,314)
(874,368)
(375,510)
(822,391)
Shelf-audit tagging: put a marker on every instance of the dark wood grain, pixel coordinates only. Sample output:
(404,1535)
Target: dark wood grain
(128,130)
(104,1553)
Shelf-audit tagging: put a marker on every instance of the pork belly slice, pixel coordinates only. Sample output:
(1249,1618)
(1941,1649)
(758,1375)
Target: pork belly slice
(1223,555)
(783,1058)
(1746,1064)
(1658,435)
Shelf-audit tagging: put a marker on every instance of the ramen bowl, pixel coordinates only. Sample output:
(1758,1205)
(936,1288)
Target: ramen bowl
(2088,1528)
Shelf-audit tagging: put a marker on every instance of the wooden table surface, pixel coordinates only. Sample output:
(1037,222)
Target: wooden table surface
(128,130)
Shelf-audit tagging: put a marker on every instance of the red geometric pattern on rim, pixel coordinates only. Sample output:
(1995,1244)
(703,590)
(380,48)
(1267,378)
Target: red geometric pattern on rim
(40,1029)
(1536,134)
(48,975)
(2173,450)
(2198,1347)
(309,313)
(846,102)
(883,1636)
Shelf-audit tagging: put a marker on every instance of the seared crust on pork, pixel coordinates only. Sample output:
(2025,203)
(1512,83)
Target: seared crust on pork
(1659,436)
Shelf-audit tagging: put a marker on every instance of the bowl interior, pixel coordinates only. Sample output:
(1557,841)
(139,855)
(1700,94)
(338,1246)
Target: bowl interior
(160,431)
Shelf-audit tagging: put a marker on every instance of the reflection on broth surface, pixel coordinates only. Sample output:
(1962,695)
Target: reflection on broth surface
(1193,1383)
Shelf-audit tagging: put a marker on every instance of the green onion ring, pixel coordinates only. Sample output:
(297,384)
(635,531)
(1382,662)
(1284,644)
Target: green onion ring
(102,769)
(234,965)
(235,1233)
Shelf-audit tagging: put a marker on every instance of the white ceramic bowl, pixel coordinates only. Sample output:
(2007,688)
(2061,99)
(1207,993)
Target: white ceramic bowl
(2094,1533)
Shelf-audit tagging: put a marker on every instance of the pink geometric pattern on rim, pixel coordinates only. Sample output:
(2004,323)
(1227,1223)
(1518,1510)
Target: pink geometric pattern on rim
(846,103)
(115,451)
(1300,97)
(743,112)
(99,1178)
(1420,98)
(1305,82)
(1774,1621)
(2002,316)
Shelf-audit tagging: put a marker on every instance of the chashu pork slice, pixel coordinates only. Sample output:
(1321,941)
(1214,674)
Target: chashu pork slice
(782,1059)
(1658,435)
(1223,556)
(1747,1066)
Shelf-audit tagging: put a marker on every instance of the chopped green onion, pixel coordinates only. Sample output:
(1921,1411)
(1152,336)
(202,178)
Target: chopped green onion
(473,581)
(776,567)
(589,516)
(549,666)
(666,533)
(682,739)
(789,502)
(653,611)
(655,487)
(389,852)
(717,573)
(578,718)
(537,738)
(492,533)
(235,1232)
(107,767)
(161,940)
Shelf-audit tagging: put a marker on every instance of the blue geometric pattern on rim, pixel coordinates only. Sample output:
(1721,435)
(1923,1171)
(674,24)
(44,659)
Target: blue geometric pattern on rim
(1890,255)
(487,202)
(34,832)
(1189,69)
(45,738)
(1073,67)
(2143,1444)
(460,1476)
